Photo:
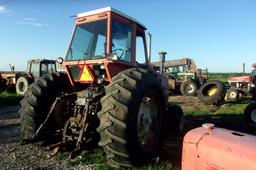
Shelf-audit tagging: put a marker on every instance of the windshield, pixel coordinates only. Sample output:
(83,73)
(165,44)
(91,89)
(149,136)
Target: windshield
(89,41)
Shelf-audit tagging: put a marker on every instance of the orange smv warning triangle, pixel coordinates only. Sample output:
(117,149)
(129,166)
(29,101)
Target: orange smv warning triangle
(86,75)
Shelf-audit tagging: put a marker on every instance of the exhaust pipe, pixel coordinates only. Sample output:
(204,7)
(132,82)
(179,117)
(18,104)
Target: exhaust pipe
(149,48)
(162,61)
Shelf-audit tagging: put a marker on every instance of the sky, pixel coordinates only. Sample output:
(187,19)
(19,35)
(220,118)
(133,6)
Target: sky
(217,34)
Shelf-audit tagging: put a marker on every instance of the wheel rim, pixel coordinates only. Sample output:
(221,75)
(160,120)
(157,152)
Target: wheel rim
(148,122)
(233,95)
(189,88)
(253,116)
(212,91)
(22,87)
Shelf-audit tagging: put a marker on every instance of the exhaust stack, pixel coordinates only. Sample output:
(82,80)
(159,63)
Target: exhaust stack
(162,60)
(149,48)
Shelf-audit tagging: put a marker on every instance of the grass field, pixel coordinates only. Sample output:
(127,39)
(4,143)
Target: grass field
(224,76)
(8,99)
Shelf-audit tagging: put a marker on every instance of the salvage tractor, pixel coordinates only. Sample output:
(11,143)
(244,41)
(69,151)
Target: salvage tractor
(110,94)
(35,69)
(184,76)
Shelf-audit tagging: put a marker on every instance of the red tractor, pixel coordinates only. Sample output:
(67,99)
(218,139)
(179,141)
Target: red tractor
(243,84)
(110,95)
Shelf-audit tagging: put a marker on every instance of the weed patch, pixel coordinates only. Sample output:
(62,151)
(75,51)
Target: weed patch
(8,98)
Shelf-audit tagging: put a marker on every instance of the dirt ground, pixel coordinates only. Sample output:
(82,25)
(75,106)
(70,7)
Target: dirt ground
(13,155)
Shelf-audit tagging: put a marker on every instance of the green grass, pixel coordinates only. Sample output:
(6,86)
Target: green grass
(95,159)
(8,98)
(229,116)
(224,76)
(229,108)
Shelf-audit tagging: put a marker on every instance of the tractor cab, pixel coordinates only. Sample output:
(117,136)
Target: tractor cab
(104,42)
(39,67)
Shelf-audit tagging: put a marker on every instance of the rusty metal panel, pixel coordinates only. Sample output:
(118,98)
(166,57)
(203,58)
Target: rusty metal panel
(172,63)
(210,148)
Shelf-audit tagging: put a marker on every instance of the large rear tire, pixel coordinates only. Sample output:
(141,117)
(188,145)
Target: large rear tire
(131,119)
(174,119)
(250,113)
(37,102)
(188,88)
(212,93)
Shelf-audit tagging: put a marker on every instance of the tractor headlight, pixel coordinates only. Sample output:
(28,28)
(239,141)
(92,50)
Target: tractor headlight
(102,67)
(100,79)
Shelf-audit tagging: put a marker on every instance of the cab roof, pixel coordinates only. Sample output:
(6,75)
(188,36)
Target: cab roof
(109,9)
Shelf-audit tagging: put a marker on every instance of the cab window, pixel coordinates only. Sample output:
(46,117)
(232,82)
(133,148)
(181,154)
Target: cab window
(121,40)
(140,50)
(35,67)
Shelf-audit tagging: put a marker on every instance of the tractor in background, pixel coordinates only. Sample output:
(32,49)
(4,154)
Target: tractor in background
(110,95)
(243,85)
(183,75)
(21,80)
(7,80)
(216,92)
(35,69)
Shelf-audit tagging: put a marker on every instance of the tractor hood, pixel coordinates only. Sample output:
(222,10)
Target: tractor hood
(239,79)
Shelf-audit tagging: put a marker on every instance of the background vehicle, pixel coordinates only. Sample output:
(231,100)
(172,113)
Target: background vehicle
(107,91)
(216,92)
(184,76)
(244,85)
(35,69)
(21,80)
(7,80)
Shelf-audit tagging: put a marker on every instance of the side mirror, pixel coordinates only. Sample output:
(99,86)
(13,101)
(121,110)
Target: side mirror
(59,60)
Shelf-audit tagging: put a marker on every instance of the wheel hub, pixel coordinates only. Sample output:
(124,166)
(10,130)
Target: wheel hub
(212,91)
(147,121)
(189,88)
(22,86)
(233,95)
(144,118)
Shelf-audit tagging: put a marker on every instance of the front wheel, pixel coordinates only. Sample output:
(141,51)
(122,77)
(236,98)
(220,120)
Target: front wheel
(22,85)
(188,88)
(131,119)
(233,94)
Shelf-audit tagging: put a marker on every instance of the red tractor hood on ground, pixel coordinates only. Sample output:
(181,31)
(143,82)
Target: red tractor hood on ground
(239,79)
(211,148)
